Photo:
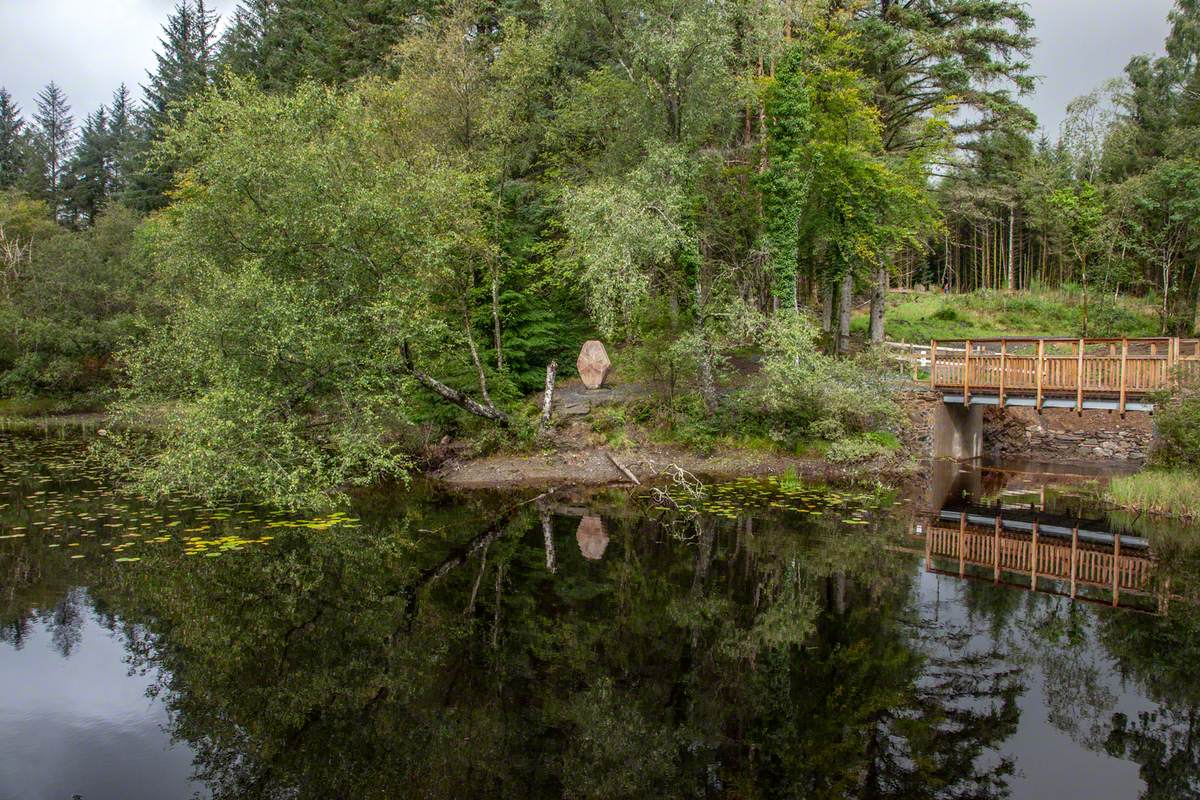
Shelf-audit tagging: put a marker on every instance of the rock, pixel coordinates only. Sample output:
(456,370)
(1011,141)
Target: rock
(593,364)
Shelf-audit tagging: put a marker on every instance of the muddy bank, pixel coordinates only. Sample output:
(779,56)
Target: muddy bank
(592,467)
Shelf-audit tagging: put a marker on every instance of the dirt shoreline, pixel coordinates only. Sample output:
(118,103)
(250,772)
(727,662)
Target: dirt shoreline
(592,467)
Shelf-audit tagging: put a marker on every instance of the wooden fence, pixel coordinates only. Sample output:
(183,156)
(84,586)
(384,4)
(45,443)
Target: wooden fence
(1080,369)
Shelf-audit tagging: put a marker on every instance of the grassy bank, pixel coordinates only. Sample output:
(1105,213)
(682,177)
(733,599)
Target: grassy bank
(920,316)
(1169,492)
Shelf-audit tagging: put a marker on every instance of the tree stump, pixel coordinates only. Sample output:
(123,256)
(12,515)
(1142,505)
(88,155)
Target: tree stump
(593,364)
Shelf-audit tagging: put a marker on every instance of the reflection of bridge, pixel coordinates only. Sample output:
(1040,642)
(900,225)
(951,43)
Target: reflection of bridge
(1110,374)
(1077,553)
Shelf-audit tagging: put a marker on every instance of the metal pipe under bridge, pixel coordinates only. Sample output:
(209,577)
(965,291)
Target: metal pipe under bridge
(1107,374)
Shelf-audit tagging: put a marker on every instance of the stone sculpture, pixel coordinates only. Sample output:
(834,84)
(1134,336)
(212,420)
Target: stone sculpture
(593,364)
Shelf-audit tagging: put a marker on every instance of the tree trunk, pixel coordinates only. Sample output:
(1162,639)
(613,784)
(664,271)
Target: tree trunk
(496,319)
(1012,264)
(845,306)
(453,395)
(827,310)
(879,304)
(548,397)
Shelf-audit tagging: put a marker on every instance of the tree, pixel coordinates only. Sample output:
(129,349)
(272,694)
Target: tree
(185,65)
(1081,215)
(12,141)
(833,196)
(315,287)
(91,169)
(51,142)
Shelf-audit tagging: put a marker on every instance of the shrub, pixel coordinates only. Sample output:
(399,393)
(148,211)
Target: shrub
(806,394)
(1178,444)
(863,447)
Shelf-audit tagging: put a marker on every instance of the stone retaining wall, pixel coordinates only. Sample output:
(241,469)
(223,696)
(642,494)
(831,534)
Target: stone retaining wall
(1061,435)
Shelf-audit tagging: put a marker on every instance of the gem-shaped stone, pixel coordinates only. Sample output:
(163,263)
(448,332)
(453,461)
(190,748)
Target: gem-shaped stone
(593,364)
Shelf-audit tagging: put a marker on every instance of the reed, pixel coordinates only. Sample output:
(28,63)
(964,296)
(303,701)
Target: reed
(1168,492)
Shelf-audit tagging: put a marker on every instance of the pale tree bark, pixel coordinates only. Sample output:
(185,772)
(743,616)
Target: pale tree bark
(548,537)
(454,396)
(496,342)
(548,396)
(879,304)
(483,388)
(845,306)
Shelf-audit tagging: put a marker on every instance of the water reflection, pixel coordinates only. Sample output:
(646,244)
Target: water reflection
(775,641)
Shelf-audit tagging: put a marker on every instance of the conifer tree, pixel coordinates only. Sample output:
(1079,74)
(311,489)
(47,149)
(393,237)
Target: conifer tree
(51,141)
(91,169)
(185,65)
(123,131)
(12,141)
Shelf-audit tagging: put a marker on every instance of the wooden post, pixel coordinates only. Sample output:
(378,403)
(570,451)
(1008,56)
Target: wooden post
(1003,367)
(1041,356)
(962,542)
(967,374)
(1124,372)
(1079,378)
(996,551)
(1116,569)
(933,363)
(928,545)
(1033,558)
(1074,558)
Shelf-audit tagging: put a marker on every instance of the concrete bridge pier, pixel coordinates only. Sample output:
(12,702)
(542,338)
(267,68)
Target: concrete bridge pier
(958,431)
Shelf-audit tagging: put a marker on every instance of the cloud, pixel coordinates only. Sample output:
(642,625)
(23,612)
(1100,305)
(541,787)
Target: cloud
(88,47)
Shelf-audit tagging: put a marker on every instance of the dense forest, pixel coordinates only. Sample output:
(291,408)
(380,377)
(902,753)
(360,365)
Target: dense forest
(322,223)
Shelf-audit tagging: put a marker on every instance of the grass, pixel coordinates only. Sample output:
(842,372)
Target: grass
(1167,492)
(917,317)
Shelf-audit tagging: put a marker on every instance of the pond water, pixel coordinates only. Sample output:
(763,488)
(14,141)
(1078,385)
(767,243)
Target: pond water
(764,639)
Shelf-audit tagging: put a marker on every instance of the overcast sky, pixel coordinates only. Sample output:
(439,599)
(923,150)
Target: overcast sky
(90,46)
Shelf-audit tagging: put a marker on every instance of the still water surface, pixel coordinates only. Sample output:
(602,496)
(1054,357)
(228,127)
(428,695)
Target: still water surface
(765,640)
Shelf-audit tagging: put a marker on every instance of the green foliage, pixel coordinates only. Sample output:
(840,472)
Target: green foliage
(1177,420)
(805,394)
(301,260)
(920,317)
(863,447)
(1170,492)
(69,304)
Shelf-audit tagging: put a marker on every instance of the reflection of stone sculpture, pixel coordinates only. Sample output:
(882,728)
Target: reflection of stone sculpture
(593,540)
(593,364)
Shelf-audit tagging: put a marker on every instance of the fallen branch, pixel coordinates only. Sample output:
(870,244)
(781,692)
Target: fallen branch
(453,395)
(624,470)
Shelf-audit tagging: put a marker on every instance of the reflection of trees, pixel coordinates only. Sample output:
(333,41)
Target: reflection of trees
(757,658)
(1161,656)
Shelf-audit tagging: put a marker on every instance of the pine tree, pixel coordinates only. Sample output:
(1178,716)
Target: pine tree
(12,141)
(51,142)
(184,66)
(123,131)
(91,169)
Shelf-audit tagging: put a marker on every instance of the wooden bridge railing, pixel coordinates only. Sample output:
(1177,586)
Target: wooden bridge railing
(1072,561)
(1080,369)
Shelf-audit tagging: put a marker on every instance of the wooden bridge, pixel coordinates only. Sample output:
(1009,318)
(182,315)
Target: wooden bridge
(1073,553)
(1111,374)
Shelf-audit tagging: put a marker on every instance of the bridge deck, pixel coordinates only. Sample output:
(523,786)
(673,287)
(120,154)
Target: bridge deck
(1114,374)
